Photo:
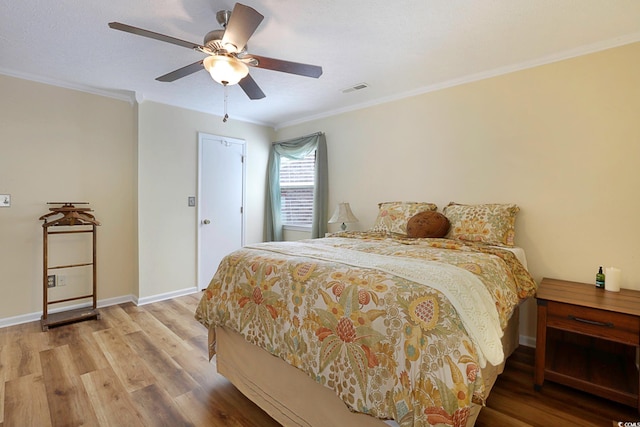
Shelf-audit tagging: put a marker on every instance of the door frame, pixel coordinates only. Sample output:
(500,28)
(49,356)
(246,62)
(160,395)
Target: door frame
(201,137)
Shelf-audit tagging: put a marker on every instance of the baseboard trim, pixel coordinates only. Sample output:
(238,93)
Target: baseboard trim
(527,341)
(32,317)
(165,296)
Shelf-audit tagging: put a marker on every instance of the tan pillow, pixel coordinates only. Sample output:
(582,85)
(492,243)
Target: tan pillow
(493,224)
(427,224)
(393,216)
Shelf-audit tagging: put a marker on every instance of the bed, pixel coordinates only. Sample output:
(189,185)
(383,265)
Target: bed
(368,328)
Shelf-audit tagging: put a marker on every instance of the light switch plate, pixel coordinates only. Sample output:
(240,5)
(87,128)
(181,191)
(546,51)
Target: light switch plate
(192,201)
(5,200)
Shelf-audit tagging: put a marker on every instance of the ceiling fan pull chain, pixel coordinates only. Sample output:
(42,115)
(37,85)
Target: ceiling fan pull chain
(226,116)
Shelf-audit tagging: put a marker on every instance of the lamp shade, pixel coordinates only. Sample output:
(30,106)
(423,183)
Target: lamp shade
(224,69)
(343,215)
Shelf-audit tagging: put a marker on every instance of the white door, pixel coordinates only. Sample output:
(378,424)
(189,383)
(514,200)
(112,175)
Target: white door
(221,201)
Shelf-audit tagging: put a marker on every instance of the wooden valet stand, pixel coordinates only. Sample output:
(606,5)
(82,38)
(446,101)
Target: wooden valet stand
(72,220)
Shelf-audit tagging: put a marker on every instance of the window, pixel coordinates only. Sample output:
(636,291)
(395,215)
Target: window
(296,190)
(290,205)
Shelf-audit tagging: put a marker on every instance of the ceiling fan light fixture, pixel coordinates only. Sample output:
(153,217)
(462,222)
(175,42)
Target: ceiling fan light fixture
(226,70)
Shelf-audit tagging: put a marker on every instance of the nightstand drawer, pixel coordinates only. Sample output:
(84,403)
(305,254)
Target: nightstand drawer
(590,321)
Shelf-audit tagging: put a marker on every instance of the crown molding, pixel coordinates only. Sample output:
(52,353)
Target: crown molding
(121,95)
(556,57)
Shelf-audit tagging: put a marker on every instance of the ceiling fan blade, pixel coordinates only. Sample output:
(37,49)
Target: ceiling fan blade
(157,36)
(242,24)
(181,72)
(287,66)
(251,88)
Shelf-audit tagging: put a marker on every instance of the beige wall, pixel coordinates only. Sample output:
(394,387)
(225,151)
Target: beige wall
(168,168)
(561,140)
(135,164)
(63,145)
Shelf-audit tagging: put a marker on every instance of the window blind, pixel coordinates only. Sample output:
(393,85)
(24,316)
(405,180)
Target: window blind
(296,190)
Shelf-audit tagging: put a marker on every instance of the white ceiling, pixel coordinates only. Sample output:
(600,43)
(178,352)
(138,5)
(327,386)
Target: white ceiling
(399,47)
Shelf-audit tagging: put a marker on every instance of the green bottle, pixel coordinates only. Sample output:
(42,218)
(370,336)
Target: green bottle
(600,279)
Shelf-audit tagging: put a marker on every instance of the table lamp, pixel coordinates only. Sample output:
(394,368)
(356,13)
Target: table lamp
(343,215)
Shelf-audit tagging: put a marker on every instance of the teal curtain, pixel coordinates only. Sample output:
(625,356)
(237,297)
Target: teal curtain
(297,148)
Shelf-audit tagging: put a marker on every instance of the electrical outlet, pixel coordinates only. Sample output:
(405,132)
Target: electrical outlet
(62,280)
(51,281)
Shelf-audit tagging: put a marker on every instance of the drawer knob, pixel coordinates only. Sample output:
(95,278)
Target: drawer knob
(590,322)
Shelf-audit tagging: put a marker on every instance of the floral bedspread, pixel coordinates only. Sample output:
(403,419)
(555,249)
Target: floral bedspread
(389,346)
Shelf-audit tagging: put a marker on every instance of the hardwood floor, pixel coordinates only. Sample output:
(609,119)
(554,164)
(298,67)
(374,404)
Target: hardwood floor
(513,401)
(147,366)
(137,366)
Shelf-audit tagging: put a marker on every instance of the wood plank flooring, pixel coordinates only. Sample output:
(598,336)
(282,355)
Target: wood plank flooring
(137,366)
(513,401)
(147,366)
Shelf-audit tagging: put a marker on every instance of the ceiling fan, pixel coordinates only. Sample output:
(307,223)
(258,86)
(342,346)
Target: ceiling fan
(228,59)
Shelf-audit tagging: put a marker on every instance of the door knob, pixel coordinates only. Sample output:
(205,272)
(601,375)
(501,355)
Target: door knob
(206,221)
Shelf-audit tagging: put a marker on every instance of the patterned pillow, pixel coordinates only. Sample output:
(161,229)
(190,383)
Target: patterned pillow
(393,216)
(493,224)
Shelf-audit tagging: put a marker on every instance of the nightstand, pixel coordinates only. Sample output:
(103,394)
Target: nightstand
(588,338)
